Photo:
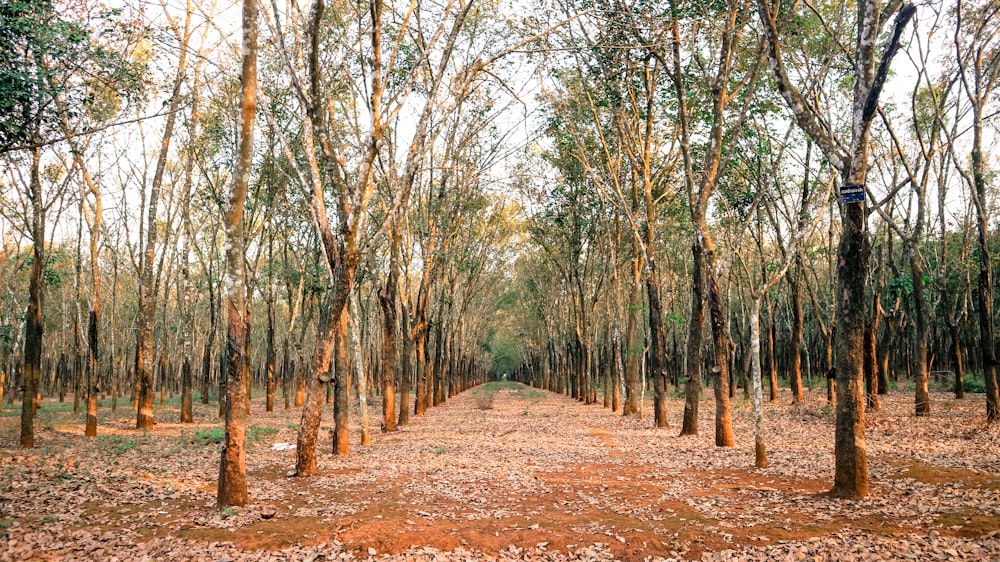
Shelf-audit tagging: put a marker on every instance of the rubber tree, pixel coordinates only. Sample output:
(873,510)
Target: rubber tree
(232,489)
(853,252)
(975,42)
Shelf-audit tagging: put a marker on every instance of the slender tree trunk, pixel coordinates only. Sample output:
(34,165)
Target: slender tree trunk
(723,410)
(772,365)
(359,372)
(760,452)
(390,355)
(342,369)
(147,292)
(984,294)
(405,374)
(32,370)
(797,325)
(692,371)
(921,378)
(956,358)
(232,469)
(270,358)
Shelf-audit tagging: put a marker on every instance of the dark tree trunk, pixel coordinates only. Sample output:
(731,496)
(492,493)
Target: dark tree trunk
(692,376)
(32,370)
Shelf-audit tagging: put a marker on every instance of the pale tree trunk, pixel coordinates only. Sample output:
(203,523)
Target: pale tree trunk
(232,469)
(760,453)
(147,294)
(359,372)
(187,310)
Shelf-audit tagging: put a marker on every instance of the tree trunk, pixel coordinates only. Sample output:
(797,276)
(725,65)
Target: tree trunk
(760,452)
(232,470)
(772,365)
(147,293)
(359,372)
(921,377)
(405,374)
(342,374)
(723,410)
(270,358)
(390,355)
(956,357)
(692,371)
(984,294)
(34,326)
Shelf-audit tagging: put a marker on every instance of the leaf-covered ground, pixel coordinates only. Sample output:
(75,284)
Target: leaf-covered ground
(507,472)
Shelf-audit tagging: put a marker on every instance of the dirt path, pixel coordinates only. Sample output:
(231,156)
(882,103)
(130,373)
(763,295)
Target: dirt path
(511,472)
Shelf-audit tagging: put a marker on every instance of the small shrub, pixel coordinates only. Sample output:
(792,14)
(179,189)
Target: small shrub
(439,450)
(211,436)
(974,384)
(4,525)
(227,512)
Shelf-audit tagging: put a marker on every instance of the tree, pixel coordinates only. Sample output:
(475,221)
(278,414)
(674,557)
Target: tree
(148,271)
(979,71)
(232,469)
(851,474)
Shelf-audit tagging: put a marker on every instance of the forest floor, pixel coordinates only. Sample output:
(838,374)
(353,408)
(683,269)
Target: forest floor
(507,472)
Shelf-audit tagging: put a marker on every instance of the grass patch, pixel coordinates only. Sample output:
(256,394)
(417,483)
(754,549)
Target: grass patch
(210,436)
(530,393)
(259,433)
(4,525)
(116,444)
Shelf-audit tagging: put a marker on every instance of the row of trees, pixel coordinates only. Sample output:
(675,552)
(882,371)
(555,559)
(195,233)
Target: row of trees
(357,236)
(702,155)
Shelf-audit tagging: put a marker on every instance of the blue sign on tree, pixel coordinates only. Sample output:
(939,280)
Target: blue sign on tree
(852,193)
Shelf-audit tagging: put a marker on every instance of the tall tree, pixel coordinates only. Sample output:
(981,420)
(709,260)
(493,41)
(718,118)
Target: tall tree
(851,474)
(976,42)
(147,270)
(232,469)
